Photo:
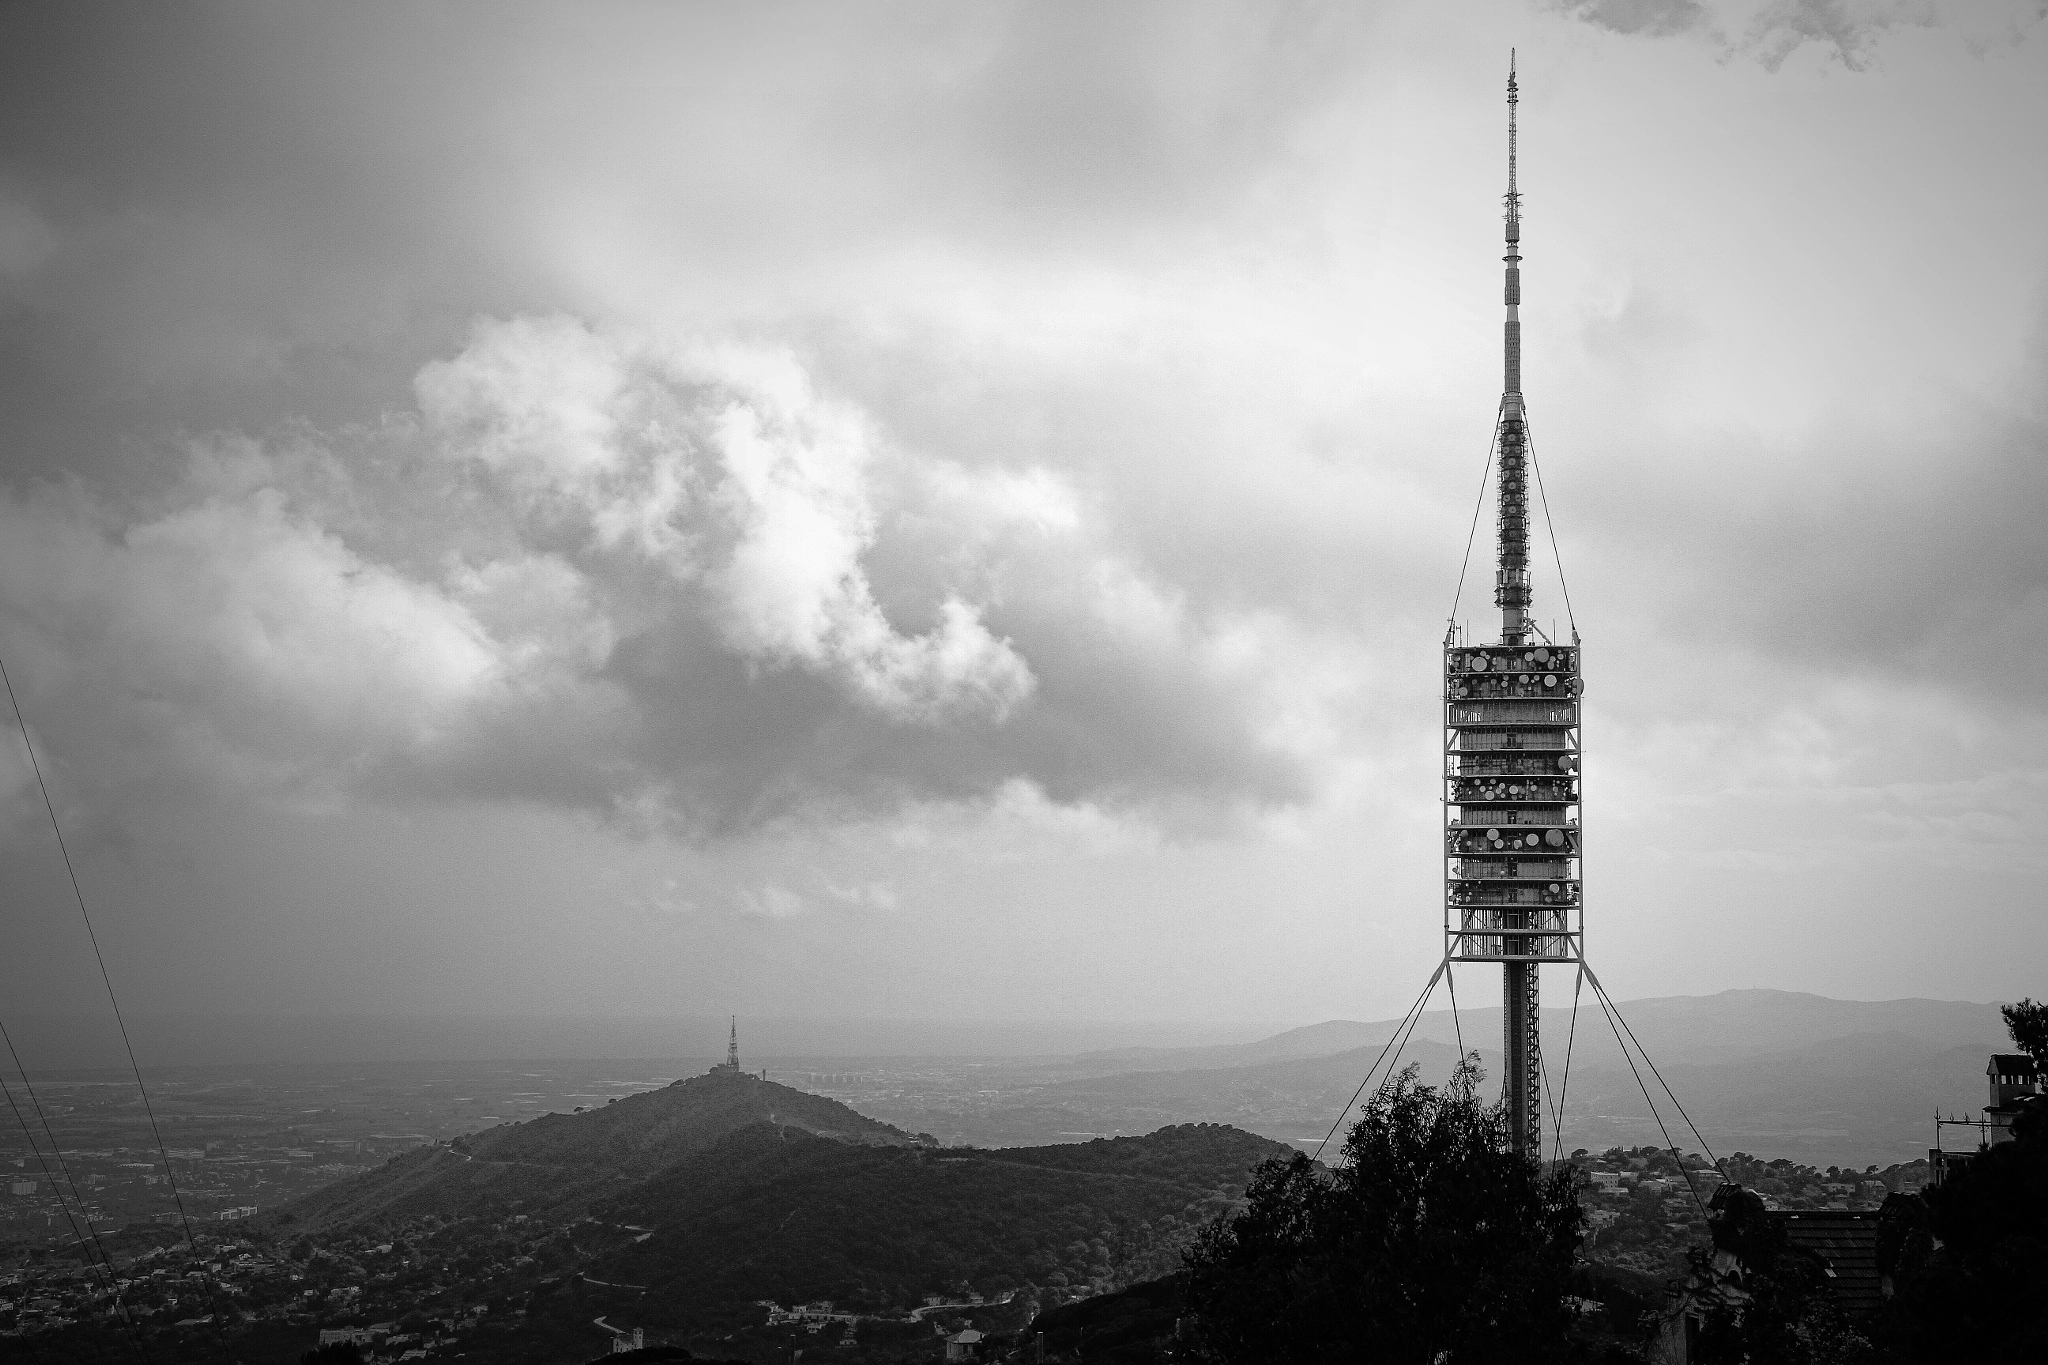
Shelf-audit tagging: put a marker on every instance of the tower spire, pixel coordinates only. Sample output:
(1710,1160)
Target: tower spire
(1511,592)
(1511,753)
(732,1046)
(1514,199)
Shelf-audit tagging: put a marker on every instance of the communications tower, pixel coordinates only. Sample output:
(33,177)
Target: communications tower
(1511,758)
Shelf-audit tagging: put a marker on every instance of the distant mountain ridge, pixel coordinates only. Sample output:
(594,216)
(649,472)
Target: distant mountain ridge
(1778,1073)
(1673,1027)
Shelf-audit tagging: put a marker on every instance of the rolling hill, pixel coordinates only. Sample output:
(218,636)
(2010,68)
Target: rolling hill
(773,1213)
(554,1166)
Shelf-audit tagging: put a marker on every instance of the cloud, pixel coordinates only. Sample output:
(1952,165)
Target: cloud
(252,634)
(1649,18)
(610,571)
(1847,30)
(721,466)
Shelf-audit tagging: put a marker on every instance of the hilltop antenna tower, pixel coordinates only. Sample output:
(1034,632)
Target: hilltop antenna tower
(732,1046)
(1511,756)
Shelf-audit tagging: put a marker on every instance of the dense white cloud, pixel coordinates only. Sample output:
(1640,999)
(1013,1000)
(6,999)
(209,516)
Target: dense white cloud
(720,464)
(606,549)
(235,622)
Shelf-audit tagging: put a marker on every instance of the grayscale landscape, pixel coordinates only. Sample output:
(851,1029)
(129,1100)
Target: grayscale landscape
(901,683)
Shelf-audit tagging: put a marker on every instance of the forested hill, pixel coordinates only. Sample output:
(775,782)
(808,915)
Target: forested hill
(768,1213)
(554,1165)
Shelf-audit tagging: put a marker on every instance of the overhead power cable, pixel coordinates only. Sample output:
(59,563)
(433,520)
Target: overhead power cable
(88,1241)
(106,979)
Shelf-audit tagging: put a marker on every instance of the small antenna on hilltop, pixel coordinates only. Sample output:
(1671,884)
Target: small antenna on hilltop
(732,1046)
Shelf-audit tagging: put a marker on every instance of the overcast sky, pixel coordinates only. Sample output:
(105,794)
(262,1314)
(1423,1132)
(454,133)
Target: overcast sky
(950,510)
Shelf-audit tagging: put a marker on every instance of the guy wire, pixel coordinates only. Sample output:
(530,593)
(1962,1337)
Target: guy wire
(1478,504)
(1565,1085)
(1548,525)
(1600,996)
(1697,1135)
(1412,1009)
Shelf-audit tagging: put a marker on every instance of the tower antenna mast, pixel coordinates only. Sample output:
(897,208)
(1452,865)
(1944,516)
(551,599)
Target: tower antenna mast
(1511,753)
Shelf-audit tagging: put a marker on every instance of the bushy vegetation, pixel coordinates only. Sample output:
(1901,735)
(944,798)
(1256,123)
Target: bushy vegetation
(1431,1241)
(775,1214)
(1969,1259)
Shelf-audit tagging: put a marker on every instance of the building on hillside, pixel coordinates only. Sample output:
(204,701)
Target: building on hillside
(359,1336)
(621,1343)
(2014,1083)
(964,1345)
(2015,1080)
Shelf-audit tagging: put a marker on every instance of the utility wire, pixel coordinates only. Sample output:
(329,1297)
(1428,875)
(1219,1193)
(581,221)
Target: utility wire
(170,1176)
(1477,504)
(63,1205)
(1413,1009)
(90,1240)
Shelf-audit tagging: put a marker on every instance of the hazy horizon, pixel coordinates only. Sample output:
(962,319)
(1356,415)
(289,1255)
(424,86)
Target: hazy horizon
(91,1041)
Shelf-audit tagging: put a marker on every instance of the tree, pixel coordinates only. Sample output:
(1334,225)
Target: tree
(1970,1259)
(1781,1311)
(333,1353)
(2027,1022)
(1430,1237)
